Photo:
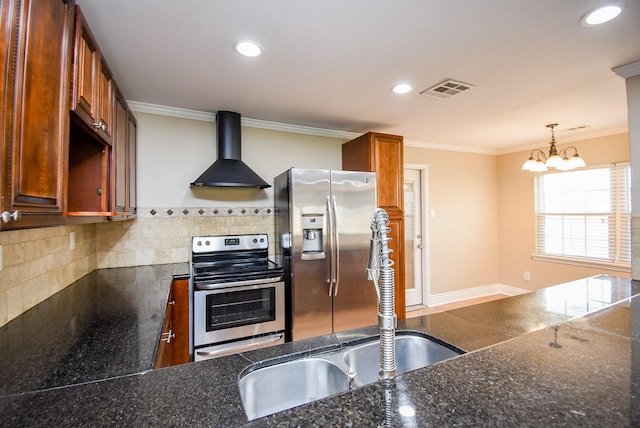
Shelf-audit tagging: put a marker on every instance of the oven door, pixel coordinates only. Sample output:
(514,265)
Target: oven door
(232,313)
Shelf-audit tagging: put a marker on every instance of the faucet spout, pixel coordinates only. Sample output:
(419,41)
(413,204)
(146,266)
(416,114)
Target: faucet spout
(380,271)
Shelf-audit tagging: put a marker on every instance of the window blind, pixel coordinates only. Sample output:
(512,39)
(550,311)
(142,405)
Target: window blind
(585,214)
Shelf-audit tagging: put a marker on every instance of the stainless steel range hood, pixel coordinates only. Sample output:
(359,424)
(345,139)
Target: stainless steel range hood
(229,170)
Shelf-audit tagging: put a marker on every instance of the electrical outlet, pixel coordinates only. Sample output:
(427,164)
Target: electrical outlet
(72,240)
(0,257)
(527,275)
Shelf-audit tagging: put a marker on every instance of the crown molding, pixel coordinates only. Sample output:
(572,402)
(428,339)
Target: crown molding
(182,113)
(433,146)
(627,71)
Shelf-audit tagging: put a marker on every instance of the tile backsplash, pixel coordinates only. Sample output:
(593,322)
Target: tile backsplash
(37,263)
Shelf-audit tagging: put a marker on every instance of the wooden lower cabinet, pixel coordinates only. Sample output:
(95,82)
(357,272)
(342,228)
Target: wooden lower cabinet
(174,342)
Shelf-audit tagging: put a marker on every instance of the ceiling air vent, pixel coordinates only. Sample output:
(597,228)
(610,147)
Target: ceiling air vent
(447,89)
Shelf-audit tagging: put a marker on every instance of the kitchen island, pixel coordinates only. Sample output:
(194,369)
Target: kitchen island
(567,355)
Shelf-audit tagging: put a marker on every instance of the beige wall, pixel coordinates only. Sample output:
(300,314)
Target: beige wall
(462,237)
(517,221)
(173,152)
(37,263)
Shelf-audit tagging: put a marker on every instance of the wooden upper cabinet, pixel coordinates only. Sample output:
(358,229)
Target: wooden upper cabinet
(132,160)
(36,105)
(384,155)
(123,171)
(119,159)
(92,95)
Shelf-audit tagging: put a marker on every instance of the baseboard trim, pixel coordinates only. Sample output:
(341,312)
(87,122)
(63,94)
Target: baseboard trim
(473,293)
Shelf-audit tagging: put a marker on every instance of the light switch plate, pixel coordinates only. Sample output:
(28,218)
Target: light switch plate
(72,240)
(0,257)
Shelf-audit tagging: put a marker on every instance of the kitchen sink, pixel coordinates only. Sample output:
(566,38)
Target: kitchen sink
(288,384)
(412,352)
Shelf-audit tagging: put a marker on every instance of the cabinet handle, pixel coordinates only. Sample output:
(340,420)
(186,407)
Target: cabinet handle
(173,302)
(169,335)
(100,125)
(7,216)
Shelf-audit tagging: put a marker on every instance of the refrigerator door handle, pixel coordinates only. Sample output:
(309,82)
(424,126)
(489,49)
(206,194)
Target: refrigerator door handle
(329,233)
(336,243)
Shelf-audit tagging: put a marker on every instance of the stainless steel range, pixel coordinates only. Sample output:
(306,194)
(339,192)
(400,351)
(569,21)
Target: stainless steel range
(237,296)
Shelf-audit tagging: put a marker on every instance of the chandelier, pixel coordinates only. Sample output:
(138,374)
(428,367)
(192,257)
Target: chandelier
(557,159)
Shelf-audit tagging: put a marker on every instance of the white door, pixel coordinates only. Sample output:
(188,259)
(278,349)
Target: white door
(414,237)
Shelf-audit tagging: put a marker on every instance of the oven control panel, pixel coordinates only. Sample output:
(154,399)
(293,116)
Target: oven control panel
(207,244)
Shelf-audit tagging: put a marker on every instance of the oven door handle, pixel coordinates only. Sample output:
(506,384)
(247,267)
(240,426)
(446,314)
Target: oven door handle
(245,345)
(237,283)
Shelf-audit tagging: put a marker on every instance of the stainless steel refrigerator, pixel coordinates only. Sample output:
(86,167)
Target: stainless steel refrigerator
(322,226)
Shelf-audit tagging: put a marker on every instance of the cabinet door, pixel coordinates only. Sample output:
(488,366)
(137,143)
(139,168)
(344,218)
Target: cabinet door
(132,150)
(389,167)
(180,321)
(7,10)
(165,348)
(86,63)
(92,89)
(105,102)
(174,343)
(123,171)
(38,86)
(119,160)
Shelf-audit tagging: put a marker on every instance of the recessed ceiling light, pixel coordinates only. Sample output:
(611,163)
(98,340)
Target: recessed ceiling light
(402,88)
(602,14)
(248,48)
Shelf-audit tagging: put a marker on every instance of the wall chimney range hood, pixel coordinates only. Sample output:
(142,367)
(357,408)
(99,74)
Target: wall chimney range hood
(229,170)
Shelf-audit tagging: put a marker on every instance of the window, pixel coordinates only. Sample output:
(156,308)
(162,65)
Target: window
(585,215)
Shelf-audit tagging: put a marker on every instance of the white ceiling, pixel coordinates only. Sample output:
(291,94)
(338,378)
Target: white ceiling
(331,64)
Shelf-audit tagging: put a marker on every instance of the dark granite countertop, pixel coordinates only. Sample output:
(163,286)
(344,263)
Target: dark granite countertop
(104,325)
(563,356)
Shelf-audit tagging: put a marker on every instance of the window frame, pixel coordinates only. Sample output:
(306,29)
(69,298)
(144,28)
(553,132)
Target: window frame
(578,260)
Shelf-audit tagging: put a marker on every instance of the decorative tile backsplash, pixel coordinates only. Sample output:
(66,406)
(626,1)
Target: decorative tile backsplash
(204,212)
(163,235)
(38,263)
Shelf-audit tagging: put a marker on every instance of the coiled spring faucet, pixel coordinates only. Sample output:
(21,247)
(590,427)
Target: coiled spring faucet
(380,271)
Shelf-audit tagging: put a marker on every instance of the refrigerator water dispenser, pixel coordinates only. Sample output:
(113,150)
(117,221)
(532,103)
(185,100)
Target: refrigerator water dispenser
(312,236)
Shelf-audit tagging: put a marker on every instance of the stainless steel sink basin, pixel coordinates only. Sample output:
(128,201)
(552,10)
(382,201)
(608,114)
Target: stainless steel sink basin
(412,353)
(292,383)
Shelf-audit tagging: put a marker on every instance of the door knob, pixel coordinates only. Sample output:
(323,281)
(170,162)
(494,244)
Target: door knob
(7,216)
